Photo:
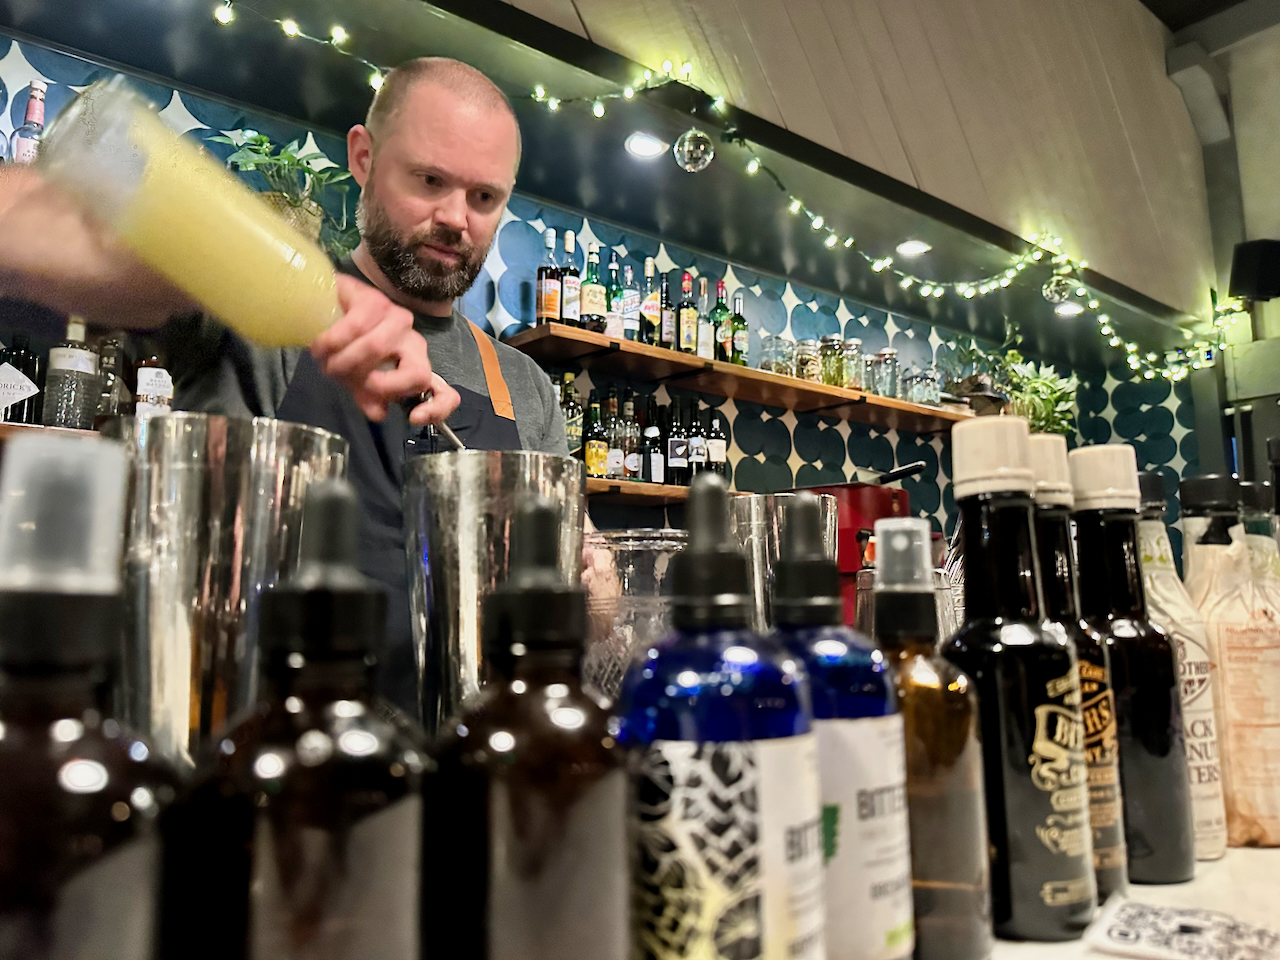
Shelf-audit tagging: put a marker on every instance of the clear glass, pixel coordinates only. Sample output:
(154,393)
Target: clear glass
(851,356)
(886,373)
(831,354)
(628,600)
(809,361)
(778,355)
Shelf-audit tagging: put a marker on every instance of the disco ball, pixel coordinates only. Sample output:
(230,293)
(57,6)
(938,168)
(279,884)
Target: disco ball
(693,151)
(1058,289)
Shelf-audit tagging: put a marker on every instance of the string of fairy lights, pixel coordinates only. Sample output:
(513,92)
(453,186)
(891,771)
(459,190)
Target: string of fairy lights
(1065,289)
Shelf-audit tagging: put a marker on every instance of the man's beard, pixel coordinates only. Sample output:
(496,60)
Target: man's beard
(423,278)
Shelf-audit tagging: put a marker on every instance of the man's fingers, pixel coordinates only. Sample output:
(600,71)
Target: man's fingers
(444,400)
(381,344)
(363,309)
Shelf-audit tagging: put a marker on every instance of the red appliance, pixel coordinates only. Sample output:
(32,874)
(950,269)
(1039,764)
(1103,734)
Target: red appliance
(858,507)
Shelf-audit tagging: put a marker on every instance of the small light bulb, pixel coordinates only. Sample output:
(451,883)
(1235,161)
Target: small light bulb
(1195,365)
(925,290)
(1011,273)
(553,103)
(1057,241)
(983,289)
(968,293)
(666,66)
(817,223)
(1151,358)
(718,103)
(753,166)
(831,241)
(224,14)
(539,92)
(1131,348)
(1005,281)
(628,93)
(1021,267)
(687,69)
(1084,264)
(1081,291)
(1093,304)
(290,27)
(1103,318)
(648,74)
(794,206)
(1114,341)
(906,283)
(848,242)
(597,109)
(1105,330)
(1037,254)
(937,292)
(338,35)
(1148,374)
(375,80)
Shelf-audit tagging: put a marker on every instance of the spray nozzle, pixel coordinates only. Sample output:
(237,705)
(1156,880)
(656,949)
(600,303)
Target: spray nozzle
(904,555)
(806,583)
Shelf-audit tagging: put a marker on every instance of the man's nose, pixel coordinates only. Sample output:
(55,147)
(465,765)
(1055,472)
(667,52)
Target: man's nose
(452,211)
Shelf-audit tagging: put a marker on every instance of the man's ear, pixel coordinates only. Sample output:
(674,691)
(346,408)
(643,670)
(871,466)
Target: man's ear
(359,153)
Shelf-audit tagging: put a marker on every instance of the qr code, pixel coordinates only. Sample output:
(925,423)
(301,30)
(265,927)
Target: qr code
(1132,929)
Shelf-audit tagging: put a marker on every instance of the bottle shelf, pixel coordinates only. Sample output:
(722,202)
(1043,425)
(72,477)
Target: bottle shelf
(557,344)
(634,491)
(10,430)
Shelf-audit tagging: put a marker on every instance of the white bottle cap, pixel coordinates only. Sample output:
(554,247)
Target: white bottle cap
(1053,475)
(1105,477)
(75,329)
(61,515)
(990,455)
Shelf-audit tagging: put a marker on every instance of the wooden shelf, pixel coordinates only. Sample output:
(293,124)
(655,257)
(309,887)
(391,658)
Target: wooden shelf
(633,491)
(557,344)
(10,430)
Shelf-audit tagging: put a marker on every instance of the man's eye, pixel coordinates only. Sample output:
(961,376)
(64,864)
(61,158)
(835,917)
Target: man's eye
(431,180)
(486,197)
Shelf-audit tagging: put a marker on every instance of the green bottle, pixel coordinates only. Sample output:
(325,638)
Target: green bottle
(722,324)
(613,325)
(741,332)
(593,296)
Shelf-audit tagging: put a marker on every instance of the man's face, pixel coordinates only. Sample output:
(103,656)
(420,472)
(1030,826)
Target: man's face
(434,186)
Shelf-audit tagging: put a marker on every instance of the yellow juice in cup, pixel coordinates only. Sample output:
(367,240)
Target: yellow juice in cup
(190,219)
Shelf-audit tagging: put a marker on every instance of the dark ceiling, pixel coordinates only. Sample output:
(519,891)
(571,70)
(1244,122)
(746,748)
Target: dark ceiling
(1176,14)
(577,162)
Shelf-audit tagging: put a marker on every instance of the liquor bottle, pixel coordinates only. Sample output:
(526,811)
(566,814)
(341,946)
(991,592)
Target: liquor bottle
(594,298)
(1239,621)
(20,358)
(1042,884)
(548,293)
(25,140)
(302,832)
(154,387)
(72,387)
(613,323)
(570,285)
(667,333)
(631,462)
(525,814)
(706,326)
(653,457)
(571,409)
(616,433)
(677,448)
(687,317)
(1054,502)
(631,324)
(741,332)
(650,307)
(725,798)
(116,399)
(1171,609)
(950,866)
(597,441)
(861,761)
(722,324)
(1153,754)
(717,445)
(79,794)
(1256,502)
(557,385)
(697,441)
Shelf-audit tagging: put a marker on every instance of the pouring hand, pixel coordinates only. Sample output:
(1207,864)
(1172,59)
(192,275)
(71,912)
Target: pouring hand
(374,352)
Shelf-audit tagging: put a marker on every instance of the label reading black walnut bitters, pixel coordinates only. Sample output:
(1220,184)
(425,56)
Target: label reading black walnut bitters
(1058,768)
(1102,757)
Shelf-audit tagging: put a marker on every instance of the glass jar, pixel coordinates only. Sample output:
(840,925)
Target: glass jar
(809,361)
(851,356)
(777,356)
(831,352)
(886,372)
(910,386)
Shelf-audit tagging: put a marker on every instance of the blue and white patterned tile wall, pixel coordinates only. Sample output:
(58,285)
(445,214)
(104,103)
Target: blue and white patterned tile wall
(772,449)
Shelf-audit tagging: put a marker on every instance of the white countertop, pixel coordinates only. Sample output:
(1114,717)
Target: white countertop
(1244,883)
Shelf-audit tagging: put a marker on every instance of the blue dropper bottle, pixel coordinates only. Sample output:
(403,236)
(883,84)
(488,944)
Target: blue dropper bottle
(724,790)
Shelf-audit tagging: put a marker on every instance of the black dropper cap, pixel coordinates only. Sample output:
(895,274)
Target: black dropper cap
(535,610)
(806,585)
(1212,493)
(1255,497)
(328,610)
(712,588)
(1154,497)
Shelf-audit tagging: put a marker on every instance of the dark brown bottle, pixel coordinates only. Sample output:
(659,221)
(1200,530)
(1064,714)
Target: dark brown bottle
(79,794)
(1042,883)
(300,839)
(1158,822)
(1054,500)
(524,830)
(950,868)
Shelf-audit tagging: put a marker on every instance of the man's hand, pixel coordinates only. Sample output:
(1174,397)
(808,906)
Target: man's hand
(375,353)
(52,252)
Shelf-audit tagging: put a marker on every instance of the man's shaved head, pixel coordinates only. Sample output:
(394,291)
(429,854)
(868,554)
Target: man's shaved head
(455,76)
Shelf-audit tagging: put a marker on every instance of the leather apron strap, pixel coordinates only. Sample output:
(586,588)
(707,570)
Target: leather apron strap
(499,395)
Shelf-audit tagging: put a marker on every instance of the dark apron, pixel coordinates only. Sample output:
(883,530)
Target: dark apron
(376,466)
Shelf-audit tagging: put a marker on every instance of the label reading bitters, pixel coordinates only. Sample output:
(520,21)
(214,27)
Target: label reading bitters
(729,851)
